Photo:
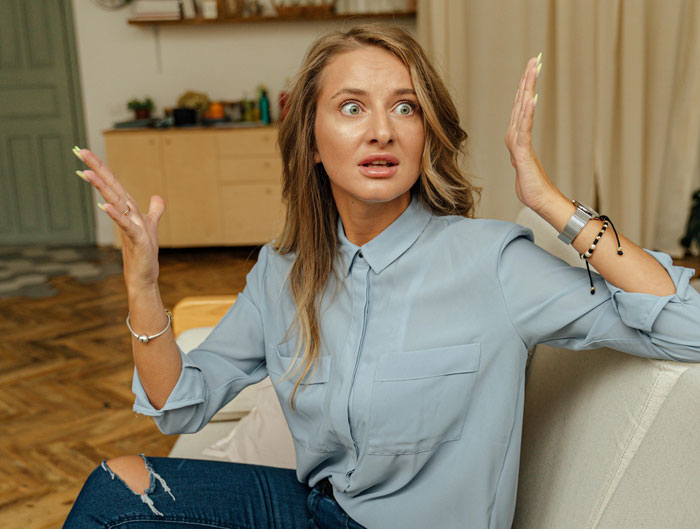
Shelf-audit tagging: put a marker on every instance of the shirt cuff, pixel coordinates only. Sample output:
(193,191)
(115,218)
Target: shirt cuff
(640,311)
(188,391)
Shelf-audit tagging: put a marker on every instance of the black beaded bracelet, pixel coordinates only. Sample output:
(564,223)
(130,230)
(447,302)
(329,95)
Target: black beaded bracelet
(590,251)
(606,220)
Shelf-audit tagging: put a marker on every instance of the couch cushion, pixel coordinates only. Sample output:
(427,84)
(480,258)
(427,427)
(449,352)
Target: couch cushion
(586,415)
(661,487)
(262,437)
(193,445)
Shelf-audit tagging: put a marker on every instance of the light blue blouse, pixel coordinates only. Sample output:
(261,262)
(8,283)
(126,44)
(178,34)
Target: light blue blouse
(415,412)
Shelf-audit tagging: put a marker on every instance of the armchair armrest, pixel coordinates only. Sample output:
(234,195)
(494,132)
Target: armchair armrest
(200,311)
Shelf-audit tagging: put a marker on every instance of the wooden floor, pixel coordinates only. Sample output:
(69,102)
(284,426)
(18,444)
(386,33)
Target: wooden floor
(65,382)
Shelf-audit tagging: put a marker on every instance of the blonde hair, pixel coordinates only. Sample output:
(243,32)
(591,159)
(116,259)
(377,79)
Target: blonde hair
(310,228)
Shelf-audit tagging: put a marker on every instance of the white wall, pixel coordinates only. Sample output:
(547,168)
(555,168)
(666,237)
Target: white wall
(119,62)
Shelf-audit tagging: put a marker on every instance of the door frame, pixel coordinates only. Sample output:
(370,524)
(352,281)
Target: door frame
(77,107)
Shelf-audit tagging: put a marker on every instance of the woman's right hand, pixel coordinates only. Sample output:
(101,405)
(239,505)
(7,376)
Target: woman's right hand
(139,233)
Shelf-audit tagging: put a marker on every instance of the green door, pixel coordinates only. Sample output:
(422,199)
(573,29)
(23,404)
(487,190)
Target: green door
(41,199)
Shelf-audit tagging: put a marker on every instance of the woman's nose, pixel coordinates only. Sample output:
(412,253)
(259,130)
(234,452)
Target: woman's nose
(380,130)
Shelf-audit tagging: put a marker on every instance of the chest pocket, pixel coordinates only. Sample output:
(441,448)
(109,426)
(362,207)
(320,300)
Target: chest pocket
(419,398)
(308,420)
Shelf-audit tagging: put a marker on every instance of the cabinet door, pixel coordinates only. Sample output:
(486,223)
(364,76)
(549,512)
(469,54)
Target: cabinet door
(191,171)
(251,170)
(135,159)
(252,213)
(237,143)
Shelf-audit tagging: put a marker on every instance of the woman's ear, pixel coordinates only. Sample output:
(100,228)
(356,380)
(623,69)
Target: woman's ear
(317,157)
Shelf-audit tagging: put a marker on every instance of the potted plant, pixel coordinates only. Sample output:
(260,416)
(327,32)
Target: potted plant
(142,107)
(190,108)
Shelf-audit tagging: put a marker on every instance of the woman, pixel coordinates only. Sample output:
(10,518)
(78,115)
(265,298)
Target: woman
(394,326)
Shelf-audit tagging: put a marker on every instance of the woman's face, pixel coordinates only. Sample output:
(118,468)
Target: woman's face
(369,129)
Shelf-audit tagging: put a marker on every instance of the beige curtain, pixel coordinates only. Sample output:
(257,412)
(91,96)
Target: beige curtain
(618,119)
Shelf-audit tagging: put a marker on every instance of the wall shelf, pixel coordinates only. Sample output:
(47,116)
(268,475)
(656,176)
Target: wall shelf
(199,21)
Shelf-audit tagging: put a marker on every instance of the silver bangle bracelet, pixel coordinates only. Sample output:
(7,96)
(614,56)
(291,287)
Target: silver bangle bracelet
(144,338)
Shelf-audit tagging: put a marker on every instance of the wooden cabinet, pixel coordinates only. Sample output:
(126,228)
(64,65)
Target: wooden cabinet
(221,187)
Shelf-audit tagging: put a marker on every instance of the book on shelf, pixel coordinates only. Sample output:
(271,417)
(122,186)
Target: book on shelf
(157,10)
(156,6)
(188,9)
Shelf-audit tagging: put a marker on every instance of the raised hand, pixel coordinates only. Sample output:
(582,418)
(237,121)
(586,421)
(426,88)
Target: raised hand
(531,183)
(139,233)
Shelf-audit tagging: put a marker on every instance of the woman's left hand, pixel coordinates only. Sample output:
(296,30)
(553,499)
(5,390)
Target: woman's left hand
(532,185)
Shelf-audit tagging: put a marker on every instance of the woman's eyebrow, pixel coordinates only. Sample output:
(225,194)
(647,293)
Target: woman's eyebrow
(360,92)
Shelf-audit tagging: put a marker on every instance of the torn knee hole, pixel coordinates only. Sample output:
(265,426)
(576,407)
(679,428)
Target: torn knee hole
(132,471)
(136,473)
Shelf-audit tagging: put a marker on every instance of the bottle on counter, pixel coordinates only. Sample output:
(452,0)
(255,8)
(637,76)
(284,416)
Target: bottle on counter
(264,105)
(247,108)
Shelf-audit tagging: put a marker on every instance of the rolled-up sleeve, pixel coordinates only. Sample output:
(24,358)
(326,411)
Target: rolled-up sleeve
(230,358)
(549,301)
(187,392)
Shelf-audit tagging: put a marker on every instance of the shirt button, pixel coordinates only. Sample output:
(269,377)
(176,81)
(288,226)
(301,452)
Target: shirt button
(360,255)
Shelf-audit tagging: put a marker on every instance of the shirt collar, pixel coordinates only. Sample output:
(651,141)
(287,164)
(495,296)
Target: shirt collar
(390,244)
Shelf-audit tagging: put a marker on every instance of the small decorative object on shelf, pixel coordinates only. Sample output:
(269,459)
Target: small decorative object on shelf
(191,106)
(303,8)
(264,105)
(142,107)
(195,100)
(215,111)
(283,97)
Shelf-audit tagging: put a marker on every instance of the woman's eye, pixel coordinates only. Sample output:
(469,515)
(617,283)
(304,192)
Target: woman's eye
(351,109)
(405,109)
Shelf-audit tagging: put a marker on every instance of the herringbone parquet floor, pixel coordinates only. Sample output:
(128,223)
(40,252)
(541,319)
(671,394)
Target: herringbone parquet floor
(65,382)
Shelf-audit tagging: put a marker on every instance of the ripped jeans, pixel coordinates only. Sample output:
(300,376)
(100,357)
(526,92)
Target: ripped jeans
(192,493)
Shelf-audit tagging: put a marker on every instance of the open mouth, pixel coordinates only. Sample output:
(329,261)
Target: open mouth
(379,163)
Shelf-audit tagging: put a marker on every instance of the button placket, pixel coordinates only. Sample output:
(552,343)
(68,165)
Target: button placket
(360,279)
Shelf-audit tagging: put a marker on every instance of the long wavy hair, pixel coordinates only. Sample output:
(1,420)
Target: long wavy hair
(310,229)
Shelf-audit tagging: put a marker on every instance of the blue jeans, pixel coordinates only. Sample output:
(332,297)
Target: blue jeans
(191,494)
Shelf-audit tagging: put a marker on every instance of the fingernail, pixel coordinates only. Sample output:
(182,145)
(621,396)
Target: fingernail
(539,58)
(76,151)
(538,71)
(82,175)
(102,207)
(535,99)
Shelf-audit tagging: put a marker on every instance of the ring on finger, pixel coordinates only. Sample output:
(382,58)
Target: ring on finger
(128,209)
